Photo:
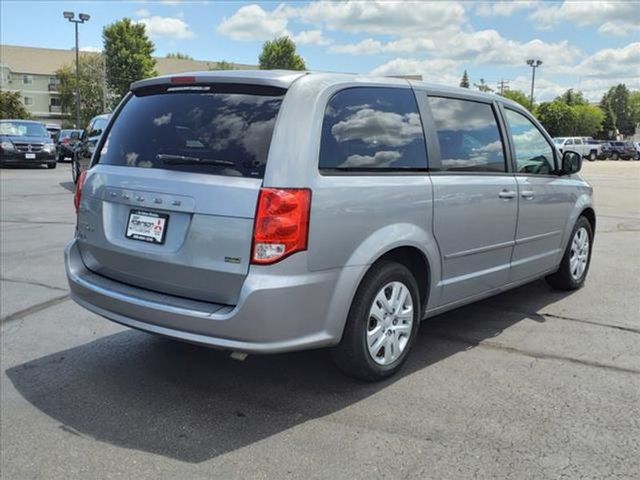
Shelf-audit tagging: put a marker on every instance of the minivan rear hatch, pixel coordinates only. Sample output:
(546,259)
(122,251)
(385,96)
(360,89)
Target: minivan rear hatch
(171,198)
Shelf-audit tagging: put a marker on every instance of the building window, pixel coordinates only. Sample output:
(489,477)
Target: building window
(54,81)
(54,102)
(28,100)
(27,79)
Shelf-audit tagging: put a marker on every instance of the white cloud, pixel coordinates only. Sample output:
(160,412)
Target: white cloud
(612,63)
(251,22)
(311,37)
(143,12)
(439,70)
(379,17)
(623,16)
(503,8)
(370,46)
(169,27)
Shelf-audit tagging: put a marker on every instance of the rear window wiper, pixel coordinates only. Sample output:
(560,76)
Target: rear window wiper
(186,160)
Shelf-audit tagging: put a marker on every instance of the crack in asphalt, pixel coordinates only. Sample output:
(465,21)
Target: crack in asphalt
(35,284)
(38,307)
(534,354)
(590,322)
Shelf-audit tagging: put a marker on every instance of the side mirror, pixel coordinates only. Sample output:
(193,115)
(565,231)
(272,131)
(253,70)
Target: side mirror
(571,162)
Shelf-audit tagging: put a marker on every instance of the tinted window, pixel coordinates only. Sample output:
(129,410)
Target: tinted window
(372,129)
(468,135)
(197,131)
(533,152)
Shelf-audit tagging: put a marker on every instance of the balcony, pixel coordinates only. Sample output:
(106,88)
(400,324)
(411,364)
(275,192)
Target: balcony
(55,109)
(53,87)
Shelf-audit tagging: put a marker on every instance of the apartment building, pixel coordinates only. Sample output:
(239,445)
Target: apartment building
(31,71)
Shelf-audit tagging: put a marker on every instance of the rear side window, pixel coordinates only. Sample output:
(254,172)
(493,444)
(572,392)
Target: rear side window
(468,135)
(221,130)
(372,129)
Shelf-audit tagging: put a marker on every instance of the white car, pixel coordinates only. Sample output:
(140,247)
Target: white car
(583,146)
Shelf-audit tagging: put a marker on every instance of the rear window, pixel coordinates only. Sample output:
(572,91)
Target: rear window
(218,130)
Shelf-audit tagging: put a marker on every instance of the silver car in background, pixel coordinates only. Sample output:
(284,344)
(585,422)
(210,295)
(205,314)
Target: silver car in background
(272,211)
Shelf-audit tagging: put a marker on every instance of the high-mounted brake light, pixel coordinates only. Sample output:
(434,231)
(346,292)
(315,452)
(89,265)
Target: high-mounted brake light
(78,194)
(282,224)
(182,80)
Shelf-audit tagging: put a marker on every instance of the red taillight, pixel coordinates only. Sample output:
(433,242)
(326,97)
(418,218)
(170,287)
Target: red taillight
(183,80)
(282,224)
(78,194)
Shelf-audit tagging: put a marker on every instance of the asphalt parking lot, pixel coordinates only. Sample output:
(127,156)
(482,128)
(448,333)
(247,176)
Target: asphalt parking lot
(529,384)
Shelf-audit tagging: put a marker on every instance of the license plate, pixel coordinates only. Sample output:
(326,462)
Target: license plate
(30,156)
(147,226)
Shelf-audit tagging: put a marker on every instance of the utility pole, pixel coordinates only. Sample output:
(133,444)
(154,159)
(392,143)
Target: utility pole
(533,63)
(83,17)
(503,85)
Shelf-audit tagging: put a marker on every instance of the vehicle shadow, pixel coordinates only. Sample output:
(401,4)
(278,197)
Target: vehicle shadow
(70,186)
(191,403)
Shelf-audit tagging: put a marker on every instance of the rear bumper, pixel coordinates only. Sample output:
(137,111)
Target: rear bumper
(277,311)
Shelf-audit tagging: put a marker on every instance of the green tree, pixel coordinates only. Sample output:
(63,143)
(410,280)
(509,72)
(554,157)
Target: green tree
(179,56)
(572,97)
(558,118)
(517,96)
(11,106)
(280,54)
(588,120)
(482,86)
(91,87)
(464,81)
(634,107)
(129,55)
(222,65)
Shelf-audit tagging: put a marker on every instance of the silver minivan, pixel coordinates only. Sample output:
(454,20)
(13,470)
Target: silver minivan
(271,211)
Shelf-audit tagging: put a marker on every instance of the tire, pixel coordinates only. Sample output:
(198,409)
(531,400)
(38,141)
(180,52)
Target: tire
(593,156)
(615,156)
(52,165)
(61,158)
(572,274)
(74,171)
(397,332)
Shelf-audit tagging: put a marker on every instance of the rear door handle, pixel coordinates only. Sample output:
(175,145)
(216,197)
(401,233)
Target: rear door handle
(507,194)
(528,194)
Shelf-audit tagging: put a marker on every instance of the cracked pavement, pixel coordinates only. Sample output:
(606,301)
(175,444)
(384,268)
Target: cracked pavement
(532,383)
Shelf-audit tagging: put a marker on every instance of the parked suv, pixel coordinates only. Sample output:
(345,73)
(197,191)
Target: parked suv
(616,150)
(587,147)
(25,142)
(67,142)
(271,211)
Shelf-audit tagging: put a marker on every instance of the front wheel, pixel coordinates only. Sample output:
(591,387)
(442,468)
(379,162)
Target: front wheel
(593,156)
(576,260)
(615,156)
(381,325)
(75,173)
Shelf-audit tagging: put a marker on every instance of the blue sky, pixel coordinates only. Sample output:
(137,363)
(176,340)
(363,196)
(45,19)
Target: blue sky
(584,45)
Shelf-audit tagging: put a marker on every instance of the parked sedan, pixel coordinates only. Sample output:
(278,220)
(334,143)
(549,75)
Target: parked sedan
(67,141)
(24,142)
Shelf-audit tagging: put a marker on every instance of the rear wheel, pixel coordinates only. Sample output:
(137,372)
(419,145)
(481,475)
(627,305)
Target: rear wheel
(575,262)
(382,323)
(593,156)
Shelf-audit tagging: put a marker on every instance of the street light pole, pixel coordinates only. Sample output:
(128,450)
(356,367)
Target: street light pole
(533,64)
(82,17)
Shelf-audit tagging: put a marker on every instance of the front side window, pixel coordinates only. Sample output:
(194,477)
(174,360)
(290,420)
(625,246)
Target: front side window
(214,129)
(533,153)
(372,129)
(468,135)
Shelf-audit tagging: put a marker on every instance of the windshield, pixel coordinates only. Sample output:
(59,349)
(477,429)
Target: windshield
(23,129)
(216,130)
(559,141)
